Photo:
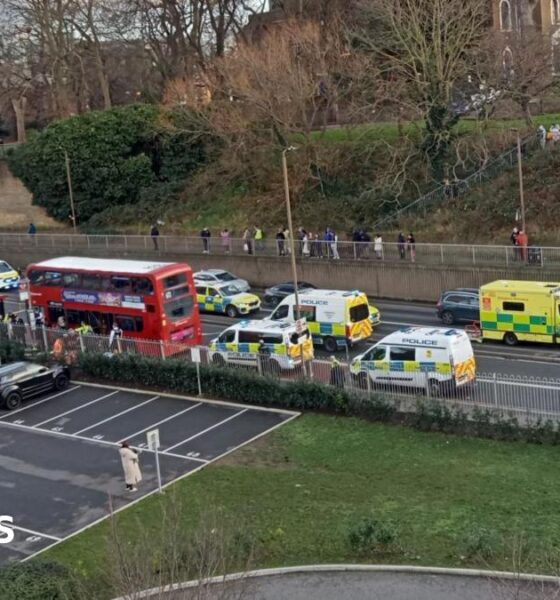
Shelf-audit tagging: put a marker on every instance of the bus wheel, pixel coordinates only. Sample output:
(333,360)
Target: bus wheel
(231,311)
(510,339)
(330,344)
(218,361)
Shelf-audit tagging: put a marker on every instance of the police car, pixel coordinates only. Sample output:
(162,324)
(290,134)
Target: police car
(9,277)
(225,299)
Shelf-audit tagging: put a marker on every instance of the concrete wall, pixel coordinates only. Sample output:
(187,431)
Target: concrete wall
(392,280)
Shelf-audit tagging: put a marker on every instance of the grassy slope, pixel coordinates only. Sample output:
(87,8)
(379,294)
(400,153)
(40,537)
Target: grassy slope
(219,206)
(303,485)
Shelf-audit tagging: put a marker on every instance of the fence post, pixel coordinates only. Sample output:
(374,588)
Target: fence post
(162,349)
(82,346)
(354,248)
(474,255)
(106,241)
(45,341)
(368,384)
(495,380)
(441,252)
(507,256)
(87,238)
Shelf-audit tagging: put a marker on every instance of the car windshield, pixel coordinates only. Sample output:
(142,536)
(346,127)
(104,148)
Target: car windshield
(5,267)
(229,290)
(225,276)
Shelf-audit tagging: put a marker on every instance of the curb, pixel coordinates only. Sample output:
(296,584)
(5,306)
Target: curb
(406,569)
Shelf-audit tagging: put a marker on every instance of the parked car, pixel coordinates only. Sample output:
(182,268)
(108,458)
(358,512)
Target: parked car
(221,276)
(21,380)
(275,294)
(9,277)
(459,305)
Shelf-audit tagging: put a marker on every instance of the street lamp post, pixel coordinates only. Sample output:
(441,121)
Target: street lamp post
(290,225)
(520,171)
(70,192)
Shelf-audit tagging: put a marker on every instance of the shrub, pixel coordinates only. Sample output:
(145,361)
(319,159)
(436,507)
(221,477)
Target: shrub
(371,535)
(36,581)
(479,542)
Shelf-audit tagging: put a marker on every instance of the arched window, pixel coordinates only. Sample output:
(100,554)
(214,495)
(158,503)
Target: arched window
(554,14)
(507,64)
(505,15)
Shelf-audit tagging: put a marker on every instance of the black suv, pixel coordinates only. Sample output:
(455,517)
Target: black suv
(459,305)
(275,294)
(20,381)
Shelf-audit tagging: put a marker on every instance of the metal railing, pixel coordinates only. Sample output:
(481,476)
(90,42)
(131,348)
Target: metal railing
(460,187)
(313,250)
(525,398)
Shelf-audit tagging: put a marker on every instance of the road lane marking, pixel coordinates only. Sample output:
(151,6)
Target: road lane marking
(153,425)
(116,415)
(18,410)
(206,430)
(75,409)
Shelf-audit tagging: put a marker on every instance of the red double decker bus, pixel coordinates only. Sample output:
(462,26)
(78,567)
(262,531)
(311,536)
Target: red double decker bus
(149,300)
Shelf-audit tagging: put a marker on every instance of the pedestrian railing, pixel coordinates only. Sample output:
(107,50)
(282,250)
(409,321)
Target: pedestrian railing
(526,398)
(459,187)
(317,250)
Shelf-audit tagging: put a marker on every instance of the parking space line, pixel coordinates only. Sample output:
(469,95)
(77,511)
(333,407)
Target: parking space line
(205,430)
(182,412)
(116,415)
(18,410)
(33,532)
(75,409)
(84,438)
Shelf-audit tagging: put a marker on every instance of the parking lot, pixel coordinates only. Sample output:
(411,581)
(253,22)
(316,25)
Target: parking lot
(61,471)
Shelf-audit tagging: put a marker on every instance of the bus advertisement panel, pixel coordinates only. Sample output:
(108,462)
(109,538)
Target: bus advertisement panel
(147,300)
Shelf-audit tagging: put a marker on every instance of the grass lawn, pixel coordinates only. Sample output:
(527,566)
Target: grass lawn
(306,483)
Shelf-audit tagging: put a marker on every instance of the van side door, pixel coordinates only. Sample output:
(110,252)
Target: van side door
(375,362)
(402,368)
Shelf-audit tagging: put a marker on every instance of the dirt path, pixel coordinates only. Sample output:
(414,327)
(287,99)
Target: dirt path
(15,205)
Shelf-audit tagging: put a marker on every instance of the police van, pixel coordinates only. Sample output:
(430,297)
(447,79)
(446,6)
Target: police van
(335,318)
(288,344)
(418,357)
(226,299)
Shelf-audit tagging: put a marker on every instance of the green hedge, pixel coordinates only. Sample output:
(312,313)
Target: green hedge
(237,385)
(36,581)
(234,385)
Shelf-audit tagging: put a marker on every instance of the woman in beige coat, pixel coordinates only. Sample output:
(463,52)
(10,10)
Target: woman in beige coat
(131,467)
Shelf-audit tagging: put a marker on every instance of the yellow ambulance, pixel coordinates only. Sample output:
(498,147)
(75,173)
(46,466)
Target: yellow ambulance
(520,311)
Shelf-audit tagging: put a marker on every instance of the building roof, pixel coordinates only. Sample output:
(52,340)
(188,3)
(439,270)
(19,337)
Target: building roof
(104,265)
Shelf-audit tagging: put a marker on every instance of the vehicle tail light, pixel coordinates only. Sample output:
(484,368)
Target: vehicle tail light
(348,331)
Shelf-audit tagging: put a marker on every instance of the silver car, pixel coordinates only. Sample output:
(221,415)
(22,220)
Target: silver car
(221,276)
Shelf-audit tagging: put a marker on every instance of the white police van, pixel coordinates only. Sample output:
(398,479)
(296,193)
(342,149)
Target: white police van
(417,357)
(288,344)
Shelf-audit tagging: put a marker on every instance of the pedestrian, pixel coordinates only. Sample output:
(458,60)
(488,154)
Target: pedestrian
(287,238)
(259,237)
(318,245)
(541,135)
(555,129)
(226,240)
(280,242)
(356,242)
(154,233)
(264,358)
(401,245)
(365,240)
(523,243)
(31,230)
(378,246)
(247,241)
(131,467)
(337,376)
(205,235)
(61,323)
(411,246)
(114,337)
(305,244)
(447,190)
(513,238)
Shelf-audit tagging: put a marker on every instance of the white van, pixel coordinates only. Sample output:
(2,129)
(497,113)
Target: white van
(335,318)
(239,344)
(417,357)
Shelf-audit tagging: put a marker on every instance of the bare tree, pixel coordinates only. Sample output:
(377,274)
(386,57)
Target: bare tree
(427,46)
